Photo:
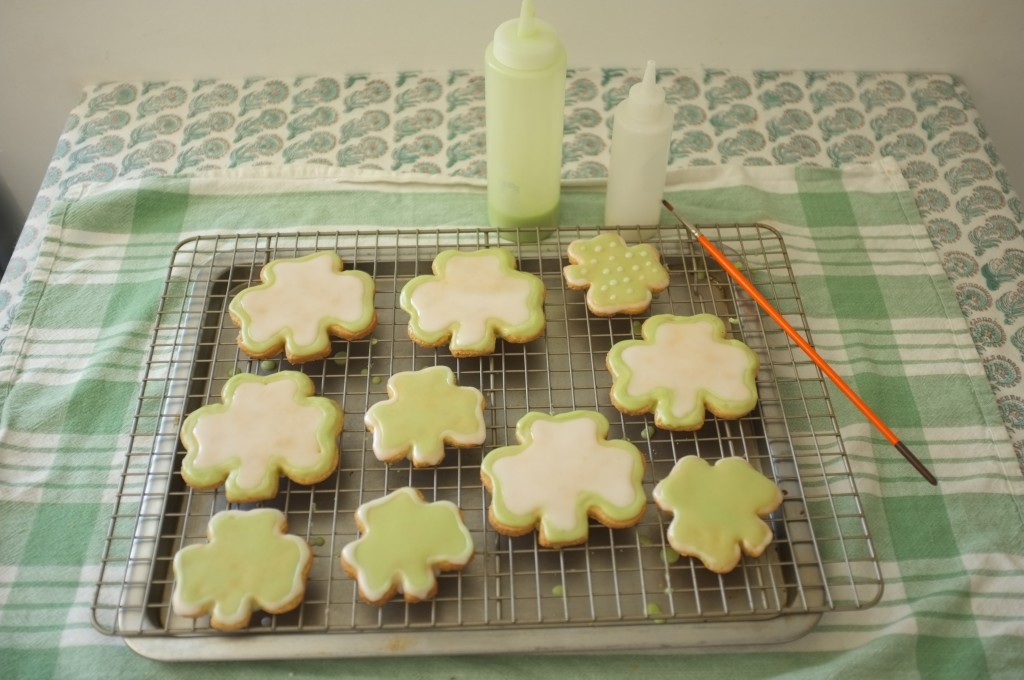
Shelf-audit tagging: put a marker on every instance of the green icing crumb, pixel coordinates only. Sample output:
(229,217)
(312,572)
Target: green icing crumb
(700,276)
(375,379)
(645,539)
(340,358)
(733,321)
(558,590)
(654,610)
(234,370)
(647,432)
(374,341)
(317,541)
(637,328)
(364,371)
(669,556)
(268,364)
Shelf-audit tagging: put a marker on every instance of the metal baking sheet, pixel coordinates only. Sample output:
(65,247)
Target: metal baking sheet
(623,589)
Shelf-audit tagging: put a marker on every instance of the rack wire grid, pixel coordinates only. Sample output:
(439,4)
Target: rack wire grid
(822,557)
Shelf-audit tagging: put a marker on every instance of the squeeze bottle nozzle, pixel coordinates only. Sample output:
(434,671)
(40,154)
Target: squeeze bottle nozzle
(526,15)
(646,99)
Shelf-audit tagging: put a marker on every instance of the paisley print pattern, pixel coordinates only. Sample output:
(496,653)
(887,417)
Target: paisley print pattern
(268,119)
(851,149)
(1002,372)
(894,119)
(987,332)
(1003,269)
(217,97)
(164,125)
(942,231)
(218,121)
(996,230)
(789,122)
(435,123)
(108,122)
(324,90)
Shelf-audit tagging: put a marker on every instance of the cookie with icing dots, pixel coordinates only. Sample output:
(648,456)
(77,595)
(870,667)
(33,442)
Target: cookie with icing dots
(682,366)
(248,563)
(405,543)
(425,411)
(265,426)
(300,305)
(717,510)
(618,278)
(563,470)
(471,299)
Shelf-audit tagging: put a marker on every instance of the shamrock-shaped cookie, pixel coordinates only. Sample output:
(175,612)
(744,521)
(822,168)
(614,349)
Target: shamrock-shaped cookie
(619,279)
(717,510)
(683,365)
(266,426)
(470,299)
(427,409)
(300,304)
(405,543)
(563,470)
(249,562)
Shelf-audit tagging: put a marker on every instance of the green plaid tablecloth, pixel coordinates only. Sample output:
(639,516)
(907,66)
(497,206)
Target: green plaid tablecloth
(879,304)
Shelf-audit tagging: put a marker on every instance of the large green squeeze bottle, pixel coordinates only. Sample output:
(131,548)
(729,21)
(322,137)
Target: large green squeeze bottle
(525,99)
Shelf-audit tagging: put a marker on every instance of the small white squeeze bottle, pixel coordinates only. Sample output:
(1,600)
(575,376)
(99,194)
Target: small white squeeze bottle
(638,162)
(524,81)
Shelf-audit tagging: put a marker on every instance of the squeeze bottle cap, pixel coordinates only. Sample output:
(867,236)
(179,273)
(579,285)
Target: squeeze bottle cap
(646,99)
(526,43)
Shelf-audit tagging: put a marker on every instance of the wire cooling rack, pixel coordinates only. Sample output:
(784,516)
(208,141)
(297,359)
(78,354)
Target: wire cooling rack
(623,589)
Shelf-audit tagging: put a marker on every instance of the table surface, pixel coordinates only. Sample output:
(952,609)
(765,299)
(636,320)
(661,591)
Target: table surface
(414,123)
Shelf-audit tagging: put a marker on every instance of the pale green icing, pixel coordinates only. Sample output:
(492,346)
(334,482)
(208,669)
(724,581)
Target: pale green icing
(265,426)
(302,309)
(717,510)
(472,298)
(426,409)
(618,277)
(249,562)
(682,366)
(562,471)
(405,542)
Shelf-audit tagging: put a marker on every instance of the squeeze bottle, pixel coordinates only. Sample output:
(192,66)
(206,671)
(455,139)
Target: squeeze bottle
(525,102)
(638,162)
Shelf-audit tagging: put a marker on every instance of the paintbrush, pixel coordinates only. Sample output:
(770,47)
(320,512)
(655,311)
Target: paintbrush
(762,302)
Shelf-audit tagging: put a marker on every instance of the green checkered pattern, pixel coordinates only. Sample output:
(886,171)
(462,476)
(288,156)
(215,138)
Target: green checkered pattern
(880,308)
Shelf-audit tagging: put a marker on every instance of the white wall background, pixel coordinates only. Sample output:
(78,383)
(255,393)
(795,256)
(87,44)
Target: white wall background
(51,49)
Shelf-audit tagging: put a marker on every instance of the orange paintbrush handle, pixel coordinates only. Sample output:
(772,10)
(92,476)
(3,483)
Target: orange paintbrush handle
(744,283)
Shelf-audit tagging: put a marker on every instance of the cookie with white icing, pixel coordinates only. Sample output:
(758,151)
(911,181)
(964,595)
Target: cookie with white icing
(717,510)
(300,305)
(471,299)
(618,278)
(563,471)
(248,563)
(405,543)
(426,410)
(682,366)
(265,426)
